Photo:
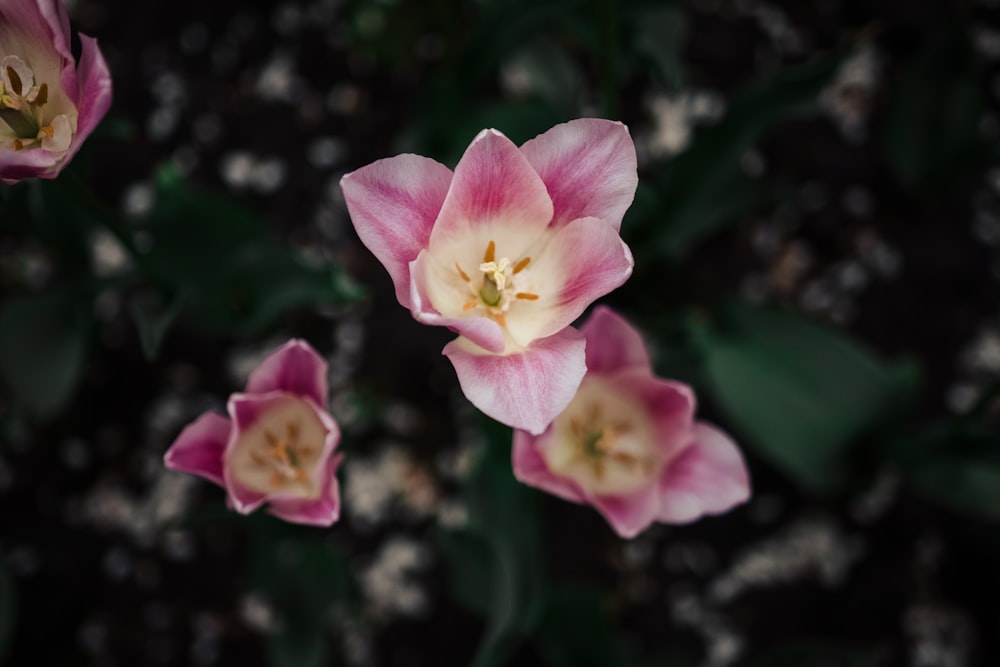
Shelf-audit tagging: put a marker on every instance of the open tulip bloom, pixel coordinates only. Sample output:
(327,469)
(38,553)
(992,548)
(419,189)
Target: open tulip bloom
(506,251)
(49,102)
(628,443)
(276,446)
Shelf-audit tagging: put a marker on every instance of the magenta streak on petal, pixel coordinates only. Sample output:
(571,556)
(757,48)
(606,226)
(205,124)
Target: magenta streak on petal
(708,477)
(200,446)
(589,168)
(94,98)
(613,343)
(629,514)
(393,204)
(493,182)
(526,390)
(295,367)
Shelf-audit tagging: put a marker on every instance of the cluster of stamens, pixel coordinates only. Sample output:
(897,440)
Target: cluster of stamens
(496,290)
(282,457)
(598,442)
(21,107)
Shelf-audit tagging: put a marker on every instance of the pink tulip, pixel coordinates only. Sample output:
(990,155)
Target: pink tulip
(506,251)
(628,443)
(49,102)
(276,447)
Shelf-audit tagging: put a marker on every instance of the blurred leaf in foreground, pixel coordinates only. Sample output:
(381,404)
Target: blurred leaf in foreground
(43,347)
(801,392)
(234,275)
(704,188)
(495,563)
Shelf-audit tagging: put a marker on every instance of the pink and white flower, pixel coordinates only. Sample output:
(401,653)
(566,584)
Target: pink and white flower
(276,446)
(628,443)
(507,251)
(49,102)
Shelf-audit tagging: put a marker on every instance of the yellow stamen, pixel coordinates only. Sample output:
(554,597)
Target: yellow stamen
(47,129)
(18,144)
(501,320)
(520,265)
(469,305)
(42,96)
(490,253)
(527,296)
(462,273)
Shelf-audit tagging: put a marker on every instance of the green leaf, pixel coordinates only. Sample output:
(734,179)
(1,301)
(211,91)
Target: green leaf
(496,563)
(659,34)
(43,347)
(153,318)
(704,189)
(933,139)
(802,393)
(8,610)
(232,273)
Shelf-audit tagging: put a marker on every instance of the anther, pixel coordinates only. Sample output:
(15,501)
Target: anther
(528,296)
(462,273)
(520,265)
(15,80)
(490,253)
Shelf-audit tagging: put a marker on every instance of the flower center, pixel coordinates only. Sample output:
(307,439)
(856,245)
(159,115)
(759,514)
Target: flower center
(495,289)
(23,105)
(282,455)
(280,451)
(603,441)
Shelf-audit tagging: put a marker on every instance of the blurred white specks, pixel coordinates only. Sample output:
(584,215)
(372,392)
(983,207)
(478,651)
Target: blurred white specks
(874,503)
(325,152)
(241,171)
(723,646)
(258,614)
(675,116)
(940,636)
(807,548)
(371,486)
(961,396)
(848,100)
(388,582)
(138,199)
(107,254)
(278,81)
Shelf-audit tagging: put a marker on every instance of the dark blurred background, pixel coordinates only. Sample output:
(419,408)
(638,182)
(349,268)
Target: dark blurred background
(817,242)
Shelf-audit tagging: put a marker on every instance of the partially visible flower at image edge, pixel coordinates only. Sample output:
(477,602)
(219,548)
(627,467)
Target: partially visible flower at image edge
(628,443)
(277,445)
(49,102)
(507,251)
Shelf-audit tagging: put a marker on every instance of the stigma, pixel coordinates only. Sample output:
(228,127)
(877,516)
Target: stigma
(493,290)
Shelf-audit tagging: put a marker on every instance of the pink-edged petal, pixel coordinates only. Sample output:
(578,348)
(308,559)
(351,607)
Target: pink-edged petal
(245,410)
(325,511)
(200,447)
(530,468)
(613,344)
(668,403)
(393,204)
(494,188)
(19,165)
(583,261)
(482,331)
(708,477)
(294,367)
(524,390)
(94,99)
(589,168)
(629,514)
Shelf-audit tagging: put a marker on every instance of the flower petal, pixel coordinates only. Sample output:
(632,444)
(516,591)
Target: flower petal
(294,367)
(482,331)
(393,204)
(200,446)
(245,410)
(494,191)
(322,512)
(525,390)
(708,477)
(629,514)
(530,468)
(613,343)
(589,168)
(583,261)
(669,404)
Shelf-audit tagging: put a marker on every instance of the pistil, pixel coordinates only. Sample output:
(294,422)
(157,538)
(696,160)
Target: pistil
(496,289)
